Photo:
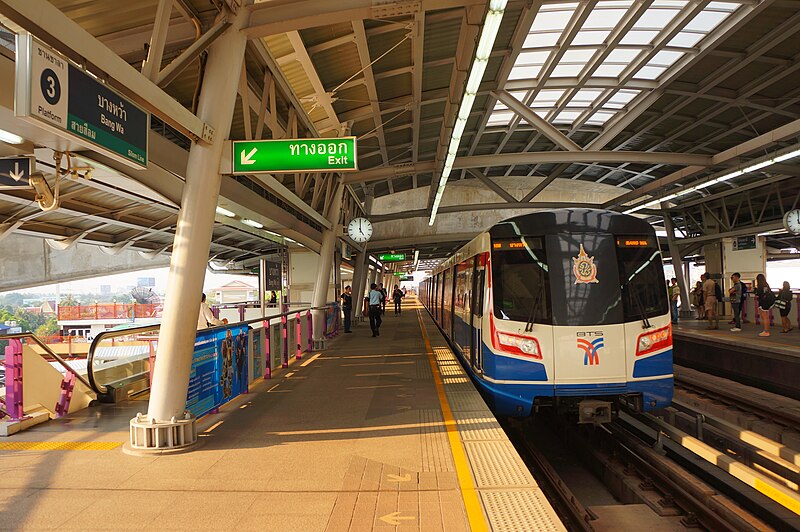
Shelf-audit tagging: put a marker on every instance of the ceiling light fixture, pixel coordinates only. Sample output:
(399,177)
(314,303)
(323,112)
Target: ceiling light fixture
(10,138)
(252,223)
(226,212)
(724,177)
(491,25)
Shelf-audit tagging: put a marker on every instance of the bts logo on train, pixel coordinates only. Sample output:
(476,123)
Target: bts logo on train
(590,348)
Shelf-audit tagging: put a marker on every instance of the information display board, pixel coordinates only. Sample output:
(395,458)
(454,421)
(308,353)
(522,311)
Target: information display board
(52,91)
(219,368)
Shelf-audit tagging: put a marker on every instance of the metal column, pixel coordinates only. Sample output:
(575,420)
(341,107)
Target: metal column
(677,263)
(166,413)
(262,285)
(326,263)
(362,263)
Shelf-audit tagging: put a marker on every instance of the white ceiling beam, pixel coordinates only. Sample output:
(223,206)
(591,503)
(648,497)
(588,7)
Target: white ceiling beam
(544,127)
(52,26)
(323,98)
(179,64)
(155,52)
(417,61)
(372,89)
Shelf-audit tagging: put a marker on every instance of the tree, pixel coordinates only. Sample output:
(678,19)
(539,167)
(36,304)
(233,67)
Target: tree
(49,328)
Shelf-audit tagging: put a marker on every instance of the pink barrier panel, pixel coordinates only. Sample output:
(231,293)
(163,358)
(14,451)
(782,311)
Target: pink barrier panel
(267,341)
(13,365)
(285,327)
(299,354)
(67,385)
(311,330)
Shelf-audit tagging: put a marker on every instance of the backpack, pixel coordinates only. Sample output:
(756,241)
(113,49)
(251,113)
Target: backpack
(717,291)
(744,291)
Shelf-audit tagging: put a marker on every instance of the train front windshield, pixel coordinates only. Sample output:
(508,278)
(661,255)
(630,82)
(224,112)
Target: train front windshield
(577,279)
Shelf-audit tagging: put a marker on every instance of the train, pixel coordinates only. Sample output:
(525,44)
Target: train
(564,309)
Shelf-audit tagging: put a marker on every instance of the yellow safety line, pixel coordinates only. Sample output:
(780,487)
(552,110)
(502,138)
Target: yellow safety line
(59,445)
(477,520)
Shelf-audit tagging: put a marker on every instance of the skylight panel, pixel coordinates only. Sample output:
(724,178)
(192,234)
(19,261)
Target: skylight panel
(567,116)
(532,58)
(590,37)
(623,55)
(524,72)
(623,96)
(705,21)
(615,3)
(639,37)
(548,96)
(599,118)
(566,70)
(723,6)
(567,6)
(665,58)
(655,19)
(685,40)
(649,72)
(551,20)
(539,40)
(607,70)
(670,3)
(586,96)
(604,18)
(500,118)
(581,55)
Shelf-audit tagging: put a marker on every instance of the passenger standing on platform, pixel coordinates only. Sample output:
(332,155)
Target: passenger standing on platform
(697,300)
(384,297)
(375,310)
(206,318)
(736,294)
(397,296)
(675,294)
(347,307)
(710,299)
(784,304)
(766,299)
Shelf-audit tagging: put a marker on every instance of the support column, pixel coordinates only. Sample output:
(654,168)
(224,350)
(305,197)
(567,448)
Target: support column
(677,263)
(326,263)
(262,285)
(362,262)
(167,426)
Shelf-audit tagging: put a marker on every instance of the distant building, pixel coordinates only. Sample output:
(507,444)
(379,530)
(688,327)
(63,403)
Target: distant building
(146,281)
(105,289)
(234,292)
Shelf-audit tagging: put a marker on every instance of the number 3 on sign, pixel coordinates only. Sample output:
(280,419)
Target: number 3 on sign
(51,87)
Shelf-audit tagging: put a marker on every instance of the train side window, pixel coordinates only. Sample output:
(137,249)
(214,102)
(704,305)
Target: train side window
(479,285)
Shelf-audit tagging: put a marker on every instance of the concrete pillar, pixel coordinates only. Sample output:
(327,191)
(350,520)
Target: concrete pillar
(193,235)
(326,263)
(262,285)
(362,261)
(677,264)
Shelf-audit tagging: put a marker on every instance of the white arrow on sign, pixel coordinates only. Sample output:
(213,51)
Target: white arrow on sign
(17,174)
(246,159)
(395,518)
(399,478)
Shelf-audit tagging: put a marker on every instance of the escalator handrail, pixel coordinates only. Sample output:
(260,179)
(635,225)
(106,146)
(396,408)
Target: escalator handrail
(102,389)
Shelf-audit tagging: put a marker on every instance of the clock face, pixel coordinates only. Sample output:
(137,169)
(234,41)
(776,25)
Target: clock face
(359,229)
(792,221)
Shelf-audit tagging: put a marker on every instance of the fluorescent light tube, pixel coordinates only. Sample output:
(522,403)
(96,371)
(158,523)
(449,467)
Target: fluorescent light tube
(226,212)
(252,223)
(490,28)
(475,76)
(10,138)
(786,156)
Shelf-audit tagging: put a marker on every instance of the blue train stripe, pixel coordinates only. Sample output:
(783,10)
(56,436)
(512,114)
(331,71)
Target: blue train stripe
(660,364)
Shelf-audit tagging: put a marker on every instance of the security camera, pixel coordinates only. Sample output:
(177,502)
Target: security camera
(44,194)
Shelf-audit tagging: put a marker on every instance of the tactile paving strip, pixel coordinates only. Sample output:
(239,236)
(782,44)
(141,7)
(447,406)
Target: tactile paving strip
(59,445)
(466,401)
(477,426)
(496,464)
(511,511)
(436,453)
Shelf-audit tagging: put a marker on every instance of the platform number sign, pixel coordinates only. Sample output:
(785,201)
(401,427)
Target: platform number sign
(51,90)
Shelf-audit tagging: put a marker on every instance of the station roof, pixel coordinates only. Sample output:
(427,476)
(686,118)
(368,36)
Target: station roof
(685,102)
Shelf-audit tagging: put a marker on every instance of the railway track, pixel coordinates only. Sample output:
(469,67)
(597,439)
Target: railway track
(688,462)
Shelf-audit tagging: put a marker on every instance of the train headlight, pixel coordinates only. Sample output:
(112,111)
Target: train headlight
(521,345)
(653,341)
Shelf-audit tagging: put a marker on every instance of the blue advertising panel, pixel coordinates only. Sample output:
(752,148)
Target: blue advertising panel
(219,369)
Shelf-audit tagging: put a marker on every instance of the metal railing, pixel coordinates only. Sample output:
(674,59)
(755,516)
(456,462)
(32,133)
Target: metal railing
(101,388)
(29,336)
(107,311)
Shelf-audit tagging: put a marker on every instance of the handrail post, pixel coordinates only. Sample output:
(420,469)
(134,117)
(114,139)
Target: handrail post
(299,354)
(267,350)
(285,327)
(242,311)
(13,363)
(310,331)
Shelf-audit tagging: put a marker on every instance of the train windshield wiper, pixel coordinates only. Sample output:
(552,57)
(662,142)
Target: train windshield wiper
(645,321)
(535,307)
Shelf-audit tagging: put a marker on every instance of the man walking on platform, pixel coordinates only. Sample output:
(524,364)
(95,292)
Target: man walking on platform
(736,294)
(347,307)
(375,310)
(710,297)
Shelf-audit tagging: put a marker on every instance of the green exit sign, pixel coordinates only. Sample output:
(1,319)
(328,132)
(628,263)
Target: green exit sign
(294,155)
(392,257)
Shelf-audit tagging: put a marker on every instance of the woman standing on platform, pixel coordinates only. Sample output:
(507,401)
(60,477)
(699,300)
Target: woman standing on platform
(766,299)
(697,297)
(784,305)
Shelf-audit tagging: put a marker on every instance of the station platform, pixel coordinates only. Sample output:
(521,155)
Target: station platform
(374,433)
(767,362)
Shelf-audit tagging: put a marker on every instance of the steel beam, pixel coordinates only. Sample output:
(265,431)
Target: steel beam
(179,64)
(546,128)
(155,52)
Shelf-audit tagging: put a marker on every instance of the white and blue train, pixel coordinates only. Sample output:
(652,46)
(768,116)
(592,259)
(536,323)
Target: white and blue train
(564,308)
